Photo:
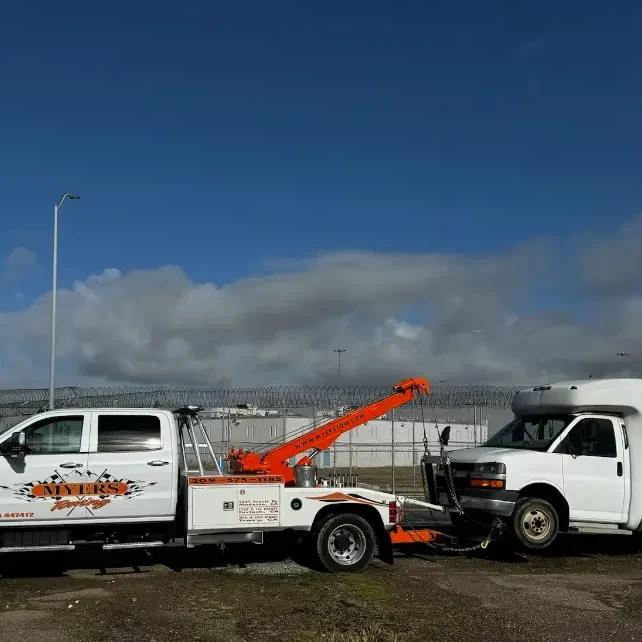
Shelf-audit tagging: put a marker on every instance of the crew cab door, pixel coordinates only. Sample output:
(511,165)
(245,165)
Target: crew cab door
(47,483)
(593,470)
(133,455)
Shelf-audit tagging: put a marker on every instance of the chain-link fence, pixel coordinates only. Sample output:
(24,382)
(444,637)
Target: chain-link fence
(384,453)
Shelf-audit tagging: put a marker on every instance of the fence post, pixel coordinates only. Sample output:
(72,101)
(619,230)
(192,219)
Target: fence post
(334,445)
(350,453)
(228,432)
(414,472)
(392,434)
(284,427)
(475,424)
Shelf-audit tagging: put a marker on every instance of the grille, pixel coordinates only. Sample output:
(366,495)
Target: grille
(461,476)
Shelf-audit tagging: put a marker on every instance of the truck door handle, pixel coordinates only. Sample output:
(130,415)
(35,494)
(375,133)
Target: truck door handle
(69,464)
(619,469)
(157,462)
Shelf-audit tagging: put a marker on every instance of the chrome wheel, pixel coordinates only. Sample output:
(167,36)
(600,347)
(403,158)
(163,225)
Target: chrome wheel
(536,524)
(347,544)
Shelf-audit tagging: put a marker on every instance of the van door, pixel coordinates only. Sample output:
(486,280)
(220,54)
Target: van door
(593,470)
(48,484)
(133,455)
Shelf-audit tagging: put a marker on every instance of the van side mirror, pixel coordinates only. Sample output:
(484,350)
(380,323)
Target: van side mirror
(15,446)
(444,437)
(577,450)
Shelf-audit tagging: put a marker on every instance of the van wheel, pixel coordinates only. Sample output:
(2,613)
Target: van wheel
(345,543)
(535,523)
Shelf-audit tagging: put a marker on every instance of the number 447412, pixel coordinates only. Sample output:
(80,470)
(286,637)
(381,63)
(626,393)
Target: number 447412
(16,515)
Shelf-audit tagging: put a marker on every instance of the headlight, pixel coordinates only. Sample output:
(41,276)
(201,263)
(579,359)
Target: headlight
(490,468)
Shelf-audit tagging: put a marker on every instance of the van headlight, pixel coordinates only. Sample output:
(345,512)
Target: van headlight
(490,468)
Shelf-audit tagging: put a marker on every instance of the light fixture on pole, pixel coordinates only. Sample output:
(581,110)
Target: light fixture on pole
(52,366)
(622,355)
(339,351)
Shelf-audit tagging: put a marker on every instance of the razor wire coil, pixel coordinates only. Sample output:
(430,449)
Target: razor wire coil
(282,397)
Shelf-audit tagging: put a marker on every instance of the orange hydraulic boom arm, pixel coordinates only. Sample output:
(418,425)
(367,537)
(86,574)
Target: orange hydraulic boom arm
(275,461)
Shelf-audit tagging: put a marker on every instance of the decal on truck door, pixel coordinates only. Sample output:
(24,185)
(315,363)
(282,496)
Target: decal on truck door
(66,494)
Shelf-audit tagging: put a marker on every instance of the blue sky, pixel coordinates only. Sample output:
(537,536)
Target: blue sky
(272,130)
(228,137)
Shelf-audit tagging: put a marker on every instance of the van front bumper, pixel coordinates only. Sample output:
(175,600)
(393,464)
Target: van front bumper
(494,502)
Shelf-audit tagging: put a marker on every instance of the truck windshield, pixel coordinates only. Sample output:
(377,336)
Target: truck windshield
(530,433)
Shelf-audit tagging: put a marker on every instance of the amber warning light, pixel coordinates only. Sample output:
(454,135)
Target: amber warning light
(487,483)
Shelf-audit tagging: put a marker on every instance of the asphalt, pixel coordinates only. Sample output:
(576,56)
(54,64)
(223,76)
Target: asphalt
(586,588)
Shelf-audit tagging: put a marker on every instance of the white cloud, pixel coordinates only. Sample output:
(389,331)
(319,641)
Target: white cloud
(18,264)
(157,326)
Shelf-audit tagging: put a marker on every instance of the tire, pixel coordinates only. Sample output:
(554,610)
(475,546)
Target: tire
(345,543)
(535,523)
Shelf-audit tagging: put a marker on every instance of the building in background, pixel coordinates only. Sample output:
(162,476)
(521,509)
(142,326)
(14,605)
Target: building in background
(397,439)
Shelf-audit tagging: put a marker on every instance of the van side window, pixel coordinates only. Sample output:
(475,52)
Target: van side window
(128,433)
(55,435)
(592,437)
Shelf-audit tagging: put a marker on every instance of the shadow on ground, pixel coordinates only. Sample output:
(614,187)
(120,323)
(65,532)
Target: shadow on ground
(178,559)
(566,546)
(172,558)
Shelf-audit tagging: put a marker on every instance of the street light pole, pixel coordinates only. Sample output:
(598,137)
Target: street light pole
(52,364)
(622,354)
(334,446)
(339,351)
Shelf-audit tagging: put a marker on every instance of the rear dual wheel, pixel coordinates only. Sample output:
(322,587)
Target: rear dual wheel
(345,543)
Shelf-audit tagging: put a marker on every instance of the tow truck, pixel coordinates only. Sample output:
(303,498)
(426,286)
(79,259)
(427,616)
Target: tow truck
(137,478)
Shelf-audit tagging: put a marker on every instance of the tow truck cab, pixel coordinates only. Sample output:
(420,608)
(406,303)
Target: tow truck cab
(129,478)
(570,459)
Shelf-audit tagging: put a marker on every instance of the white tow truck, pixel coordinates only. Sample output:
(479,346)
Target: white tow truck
(570,460)
(129,477)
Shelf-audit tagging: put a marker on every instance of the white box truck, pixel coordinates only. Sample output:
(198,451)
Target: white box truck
(570,460)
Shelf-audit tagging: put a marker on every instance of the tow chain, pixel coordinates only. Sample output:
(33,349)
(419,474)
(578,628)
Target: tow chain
(448,474)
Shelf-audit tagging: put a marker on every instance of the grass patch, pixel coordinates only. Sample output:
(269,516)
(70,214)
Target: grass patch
(366,634)
(365,588)
(370,634)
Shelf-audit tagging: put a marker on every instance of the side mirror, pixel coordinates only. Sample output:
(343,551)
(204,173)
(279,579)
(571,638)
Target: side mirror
(444,438)
(15,447)
(578,451)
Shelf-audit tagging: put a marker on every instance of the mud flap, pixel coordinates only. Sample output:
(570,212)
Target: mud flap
(384,546)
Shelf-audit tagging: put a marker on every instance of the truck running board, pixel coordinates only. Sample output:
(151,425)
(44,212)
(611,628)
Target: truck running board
(31,549)
(72,547)
(596,528)
(111,547)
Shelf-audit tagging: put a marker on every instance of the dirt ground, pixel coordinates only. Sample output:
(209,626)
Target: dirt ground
(587,589)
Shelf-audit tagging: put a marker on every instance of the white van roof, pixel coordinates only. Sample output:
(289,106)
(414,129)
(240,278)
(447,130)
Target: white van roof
(622,396)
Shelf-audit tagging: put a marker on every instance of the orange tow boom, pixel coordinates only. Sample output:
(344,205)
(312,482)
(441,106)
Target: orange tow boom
(275,461)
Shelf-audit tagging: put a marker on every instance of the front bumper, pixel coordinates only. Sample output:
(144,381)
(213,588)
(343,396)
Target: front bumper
(494,502)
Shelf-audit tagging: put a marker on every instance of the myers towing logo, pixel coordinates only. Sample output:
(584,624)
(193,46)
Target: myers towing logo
(93,493)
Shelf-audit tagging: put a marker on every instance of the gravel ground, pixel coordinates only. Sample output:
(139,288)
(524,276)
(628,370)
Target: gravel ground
(586,589)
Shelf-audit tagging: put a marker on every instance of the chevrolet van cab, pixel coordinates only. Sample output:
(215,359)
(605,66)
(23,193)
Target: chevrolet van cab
(569,460)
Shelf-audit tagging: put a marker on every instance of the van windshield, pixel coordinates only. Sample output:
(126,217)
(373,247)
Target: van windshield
(4,429)
(536,432)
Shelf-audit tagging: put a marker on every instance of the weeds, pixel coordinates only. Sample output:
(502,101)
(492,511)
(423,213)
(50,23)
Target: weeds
(367,635)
